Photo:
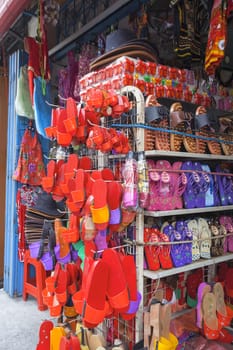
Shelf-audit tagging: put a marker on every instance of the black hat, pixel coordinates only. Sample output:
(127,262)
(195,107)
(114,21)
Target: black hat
(123,42)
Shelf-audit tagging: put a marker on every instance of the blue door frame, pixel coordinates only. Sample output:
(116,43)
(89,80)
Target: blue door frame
(13,268)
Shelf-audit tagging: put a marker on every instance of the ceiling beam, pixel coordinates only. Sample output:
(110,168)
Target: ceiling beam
(97,25)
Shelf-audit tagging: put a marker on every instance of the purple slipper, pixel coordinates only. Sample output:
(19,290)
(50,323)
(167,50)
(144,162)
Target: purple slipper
(203,288)
(225,186)
(186,235)
(64,260)
(34,249)
(134,305)
(204,185)
(192,188)
(100,240)
(216,193)
(115,216)
(47,261)
(210,193)
(177,250)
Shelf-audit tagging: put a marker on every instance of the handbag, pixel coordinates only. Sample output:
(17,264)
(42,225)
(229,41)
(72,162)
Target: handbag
(30,168)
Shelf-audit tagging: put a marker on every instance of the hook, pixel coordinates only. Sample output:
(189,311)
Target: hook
(53,105)
(65,99)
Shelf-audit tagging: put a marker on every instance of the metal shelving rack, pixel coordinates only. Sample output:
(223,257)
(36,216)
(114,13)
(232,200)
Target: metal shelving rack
(153,275)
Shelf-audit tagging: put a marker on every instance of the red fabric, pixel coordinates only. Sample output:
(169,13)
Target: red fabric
(38,61)
(30,168)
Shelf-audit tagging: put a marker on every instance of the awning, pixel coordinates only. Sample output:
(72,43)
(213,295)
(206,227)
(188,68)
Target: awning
(9,12)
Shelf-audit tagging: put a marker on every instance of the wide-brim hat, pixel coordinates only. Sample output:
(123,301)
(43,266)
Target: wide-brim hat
(46,206)
(135,48)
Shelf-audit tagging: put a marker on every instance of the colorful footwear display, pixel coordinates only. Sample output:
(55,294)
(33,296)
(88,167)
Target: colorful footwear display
(102,173)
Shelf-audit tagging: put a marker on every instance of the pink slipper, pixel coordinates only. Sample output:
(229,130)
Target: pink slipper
(165,188)
(179,182)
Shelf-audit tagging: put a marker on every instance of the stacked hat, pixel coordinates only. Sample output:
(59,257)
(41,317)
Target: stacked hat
(45,208)
(123,42)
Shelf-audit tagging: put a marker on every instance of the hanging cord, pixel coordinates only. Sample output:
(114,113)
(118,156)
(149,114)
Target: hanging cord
(42,40)
(170,131)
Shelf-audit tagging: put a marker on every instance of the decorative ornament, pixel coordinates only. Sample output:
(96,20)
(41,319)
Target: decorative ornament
(51,12)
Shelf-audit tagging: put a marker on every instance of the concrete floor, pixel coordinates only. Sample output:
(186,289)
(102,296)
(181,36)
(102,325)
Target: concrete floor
(19,322)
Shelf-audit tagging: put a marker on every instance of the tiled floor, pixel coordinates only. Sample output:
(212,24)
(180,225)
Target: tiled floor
(19,323)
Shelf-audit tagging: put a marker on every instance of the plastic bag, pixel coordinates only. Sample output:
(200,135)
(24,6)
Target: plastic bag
(23,104)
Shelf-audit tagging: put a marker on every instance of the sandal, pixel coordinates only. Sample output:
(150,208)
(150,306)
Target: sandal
(205,237)
(208,185)
(154,180)
(165,193)
(143,180)
(152,251)
(186,235)
(179,121)
(177,249)
(214,242)
(224,312)
(226,130)
(222,240)
(193,227)
(227,222)
(193,187)
(156,116)
(210,320)
(202,124)
(203,288)
(225,185)
(203,184)
(179,183)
